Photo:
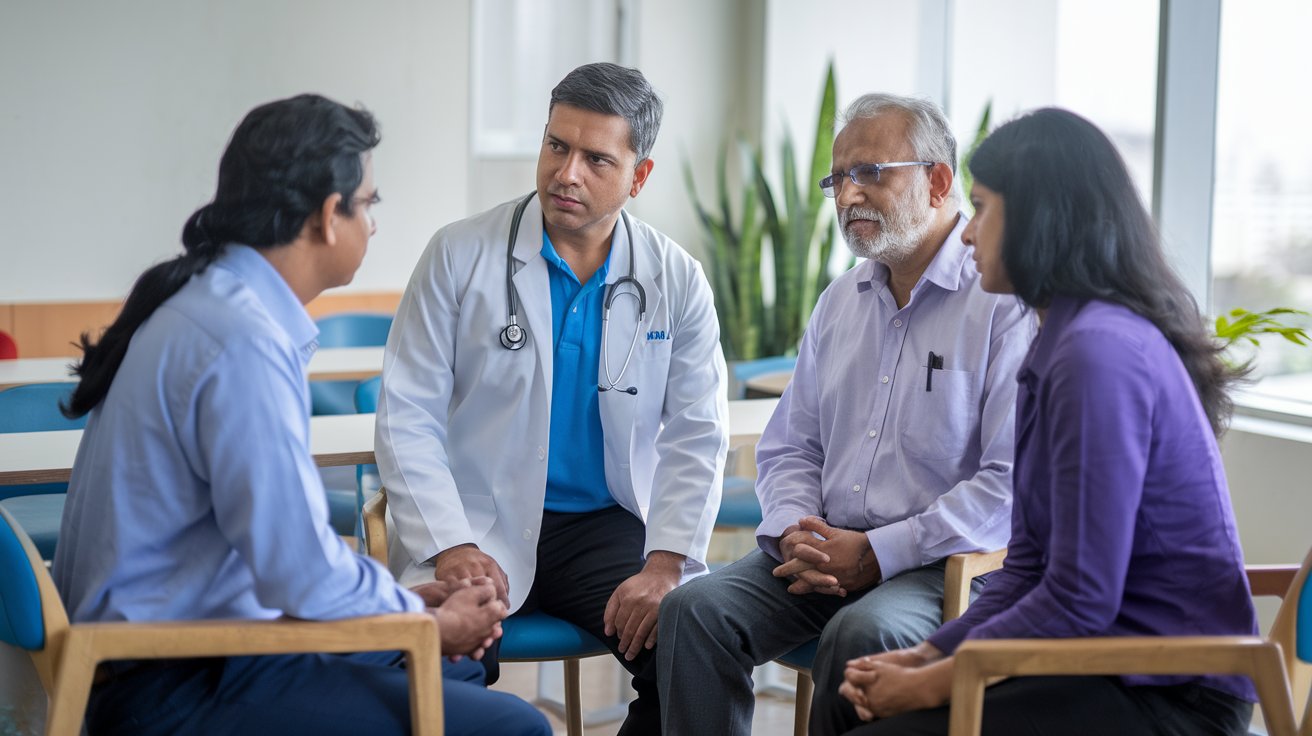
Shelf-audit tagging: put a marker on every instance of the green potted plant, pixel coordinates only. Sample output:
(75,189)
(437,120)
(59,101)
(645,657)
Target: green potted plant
(791,219)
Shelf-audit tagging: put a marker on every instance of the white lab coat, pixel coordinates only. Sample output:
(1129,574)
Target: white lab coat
(463,423)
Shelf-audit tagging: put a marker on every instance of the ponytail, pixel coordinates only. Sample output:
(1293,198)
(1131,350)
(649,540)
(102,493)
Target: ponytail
(101,360)
(284,160)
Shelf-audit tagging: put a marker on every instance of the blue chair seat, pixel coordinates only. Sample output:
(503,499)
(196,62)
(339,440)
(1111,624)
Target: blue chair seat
(537,636)
(739,506)
(39,516)
(803,656)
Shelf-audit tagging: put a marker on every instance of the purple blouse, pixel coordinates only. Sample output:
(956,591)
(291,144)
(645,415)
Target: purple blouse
(1121,518)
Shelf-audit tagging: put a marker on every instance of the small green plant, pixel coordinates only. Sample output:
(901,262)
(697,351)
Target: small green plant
(795,222)
(1240,327)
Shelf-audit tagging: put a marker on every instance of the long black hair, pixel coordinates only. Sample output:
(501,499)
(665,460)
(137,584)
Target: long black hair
(284,159)
(1075,226)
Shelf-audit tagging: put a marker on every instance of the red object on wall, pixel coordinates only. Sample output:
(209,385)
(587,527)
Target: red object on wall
(8,348)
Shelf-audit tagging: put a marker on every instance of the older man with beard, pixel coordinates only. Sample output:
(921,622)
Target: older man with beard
(890,450)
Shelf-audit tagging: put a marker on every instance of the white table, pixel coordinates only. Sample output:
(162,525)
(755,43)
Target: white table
(47,457)
(327,363)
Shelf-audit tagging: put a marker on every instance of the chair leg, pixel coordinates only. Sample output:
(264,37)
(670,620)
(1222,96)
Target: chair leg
(1273,692)
(72,688)
(573,698)
(802,710)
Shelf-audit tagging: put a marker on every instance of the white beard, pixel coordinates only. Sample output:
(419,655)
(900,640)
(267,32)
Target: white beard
(901,230)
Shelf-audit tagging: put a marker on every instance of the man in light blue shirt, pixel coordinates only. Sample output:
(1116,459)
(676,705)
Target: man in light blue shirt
(890,450)
(194,495)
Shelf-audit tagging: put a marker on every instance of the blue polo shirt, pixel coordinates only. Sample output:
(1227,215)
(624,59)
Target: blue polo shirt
(576,472)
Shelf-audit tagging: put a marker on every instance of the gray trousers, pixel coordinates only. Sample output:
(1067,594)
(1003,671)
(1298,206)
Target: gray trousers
(715,629)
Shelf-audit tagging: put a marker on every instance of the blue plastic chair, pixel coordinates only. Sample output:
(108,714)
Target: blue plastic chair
(347,330)
(38,507)
(33,618)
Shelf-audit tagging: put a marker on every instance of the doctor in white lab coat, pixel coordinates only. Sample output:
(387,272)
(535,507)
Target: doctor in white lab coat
(464,422)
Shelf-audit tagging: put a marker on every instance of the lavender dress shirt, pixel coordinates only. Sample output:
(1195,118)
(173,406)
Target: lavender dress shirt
(859,440)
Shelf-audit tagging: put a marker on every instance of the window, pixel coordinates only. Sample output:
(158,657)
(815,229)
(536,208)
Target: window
(1262,216)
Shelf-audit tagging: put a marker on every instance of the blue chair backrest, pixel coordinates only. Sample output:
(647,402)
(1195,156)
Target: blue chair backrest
(346,330)
(366,395)
(20,598)
(1303,623)
(749,369)
(354,330)
(35,408)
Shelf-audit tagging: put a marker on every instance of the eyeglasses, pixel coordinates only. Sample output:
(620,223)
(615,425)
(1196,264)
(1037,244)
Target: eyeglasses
(368,202)
(862,175)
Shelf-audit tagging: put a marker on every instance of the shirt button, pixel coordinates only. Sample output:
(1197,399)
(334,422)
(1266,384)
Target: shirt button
(575,310)
(856,488)
(884,379)
(528,533)
(542,453)
(873,434)
(897,323)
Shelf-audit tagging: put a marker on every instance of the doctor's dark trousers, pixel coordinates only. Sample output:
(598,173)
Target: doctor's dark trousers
(582,558)
(320,694)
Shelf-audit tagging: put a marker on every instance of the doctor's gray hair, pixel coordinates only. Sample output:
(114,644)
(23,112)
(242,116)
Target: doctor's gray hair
(931,134)
(611,89)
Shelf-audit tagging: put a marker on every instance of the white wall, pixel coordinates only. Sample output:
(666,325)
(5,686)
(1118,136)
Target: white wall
(115,115)
(704,60)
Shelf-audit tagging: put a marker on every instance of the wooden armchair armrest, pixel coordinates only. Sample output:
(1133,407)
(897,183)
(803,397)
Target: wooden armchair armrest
(1259,659)
(960,571)
(87,645)
(1273,580)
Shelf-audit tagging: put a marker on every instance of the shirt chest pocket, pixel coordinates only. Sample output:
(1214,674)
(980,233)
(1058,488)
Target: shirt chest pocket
(941,423)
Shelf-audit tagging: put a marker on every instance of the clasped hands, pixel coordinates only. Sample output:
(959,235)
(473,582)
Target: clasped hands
(883,685)
(630,613)
(469,596)
(819,558)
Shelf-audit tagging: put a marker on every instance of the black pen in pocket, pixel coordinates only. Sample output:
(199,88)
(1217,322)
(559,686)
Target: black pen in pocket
(935,361)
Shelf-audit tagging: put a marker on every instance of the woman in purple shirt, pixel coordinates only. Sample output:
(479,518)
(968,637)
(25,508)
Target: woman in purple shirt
(1121,521)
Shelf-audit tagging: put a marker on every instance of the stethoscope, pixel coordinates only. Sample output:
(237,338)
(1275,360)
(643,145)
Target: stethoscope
(513,337)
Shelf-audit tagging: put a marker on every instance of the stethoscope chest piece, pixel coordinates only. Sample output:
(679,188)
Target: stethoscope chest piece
(513,337)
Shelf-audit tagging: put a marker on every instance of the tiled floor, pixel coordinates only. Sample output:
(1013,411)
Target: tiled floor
(602,682)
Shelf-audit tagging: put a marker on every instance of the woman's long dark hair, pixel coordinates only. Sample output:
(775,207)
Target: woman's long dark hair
(1075,227)
(283,161)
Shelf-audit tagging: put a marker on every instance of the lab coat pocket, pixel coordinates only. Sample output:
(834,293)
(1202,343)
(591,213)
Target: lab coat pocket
(940,424)
(480,513)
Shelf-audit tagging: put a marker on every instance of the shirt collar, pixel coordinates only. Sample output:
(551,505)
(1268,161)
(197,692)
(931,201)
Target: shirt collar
(944,271)
(1062,310)
(274,293)
(553,257)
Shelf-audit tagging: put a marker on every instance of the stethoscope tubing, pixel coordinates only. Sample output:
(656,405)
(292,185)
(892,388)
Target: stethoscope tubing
(513,336)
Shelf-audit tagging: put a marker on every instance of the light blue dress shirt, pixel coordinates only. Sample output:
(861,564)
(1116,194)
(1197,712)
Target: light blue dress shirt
(194,494)
(857,438)
(576,472)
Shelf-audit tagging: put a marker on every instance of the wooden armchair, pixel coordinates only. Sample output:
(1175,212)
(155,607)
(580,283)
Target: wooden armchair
(66,655)
(1270,662)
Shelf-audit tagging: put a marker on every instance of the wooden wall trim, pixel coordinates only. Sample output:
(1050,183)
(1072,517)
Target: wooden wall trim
(51,329)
